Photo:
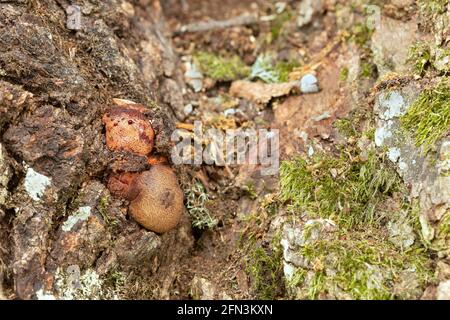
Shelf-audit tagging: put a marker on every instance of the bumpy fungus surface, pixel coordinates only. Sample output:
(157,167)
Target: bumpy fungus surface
(156,199)
(127,129)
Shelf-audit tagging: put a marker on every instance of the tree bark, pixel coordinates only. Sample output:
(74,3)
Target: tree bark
(56,215)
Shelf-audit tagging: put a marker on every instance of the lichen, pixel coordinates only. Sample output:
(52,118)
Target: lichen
(264,70)
(82,214)
(428,119)
(267,69)
(36,184)
(86,285)
(221,68)
(196,201)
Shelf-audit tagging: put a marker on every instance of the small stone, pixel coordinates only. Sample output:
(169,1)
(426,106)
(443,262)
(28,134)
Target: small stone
(194,77)
(309,84)
(188,109)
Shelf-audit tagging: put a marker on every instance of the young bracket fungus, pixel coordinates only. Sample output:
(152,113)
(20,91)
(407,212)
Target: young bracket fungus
(127,129)
(156,199)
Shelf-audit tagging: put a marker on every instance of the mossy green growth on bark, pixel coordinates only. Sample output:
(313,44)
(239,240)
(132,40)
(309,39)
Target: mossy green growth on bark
(364,267)
(428,119)
(265,268)
(221,68)
(431,7)
(346,189)
(420,57)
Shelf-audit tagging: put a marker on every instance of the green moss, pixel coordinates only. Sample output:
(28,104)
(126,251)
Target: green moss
(221,68)
(265,268)
(444,226)
(420,57)
(368,69)
(346,188)
(102,208)
(345,127)
(276,25)
(431,7)
(364,267)
(361,35)
(284,68)
(442,239)
(249,189)
(428,119)
(196,200)
(343,74)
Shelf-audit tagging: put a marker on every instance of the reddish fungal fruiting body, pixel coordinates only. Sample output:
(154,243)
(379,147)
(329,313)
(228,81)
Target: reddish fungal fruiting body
(127,129)
(157,159)
(156,199)
(120,185)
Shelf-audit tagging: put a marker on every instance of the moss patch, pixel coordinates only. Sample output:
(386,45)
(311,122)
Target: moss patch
(365,267)
(431,7)
(276,26)
(346,189)
(420,57)
(265,268)
(428,119)
(221,68)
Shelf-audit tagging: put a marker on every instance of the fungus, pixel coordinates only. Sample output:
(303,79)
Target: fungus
(127,129)
(156,199)
(156,159)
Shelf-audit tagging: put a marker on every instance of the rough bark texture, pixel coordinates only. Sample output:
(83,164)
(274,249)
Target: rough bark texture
(55,84)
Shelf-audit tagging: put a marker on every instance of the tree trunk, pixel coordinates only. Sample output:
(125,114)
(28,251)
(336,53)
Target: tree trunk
(60,230)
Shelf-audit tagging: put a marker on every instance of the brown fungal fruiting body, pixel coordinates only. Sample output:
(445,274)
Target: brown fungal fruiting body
(120,184)
(127,129)
(156,199)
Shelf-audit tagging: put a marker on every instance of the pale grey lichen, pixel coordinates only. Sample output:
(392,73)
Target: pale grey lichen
(382,133)
(35,184)
(394,154)
(401,234)
(89,286)
(42,295)
(393,105)
(82,214)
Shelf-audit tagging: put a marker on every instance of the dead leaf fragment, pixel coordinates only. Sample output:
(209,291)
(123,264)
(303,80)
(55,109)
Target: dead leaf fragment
(261,93)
